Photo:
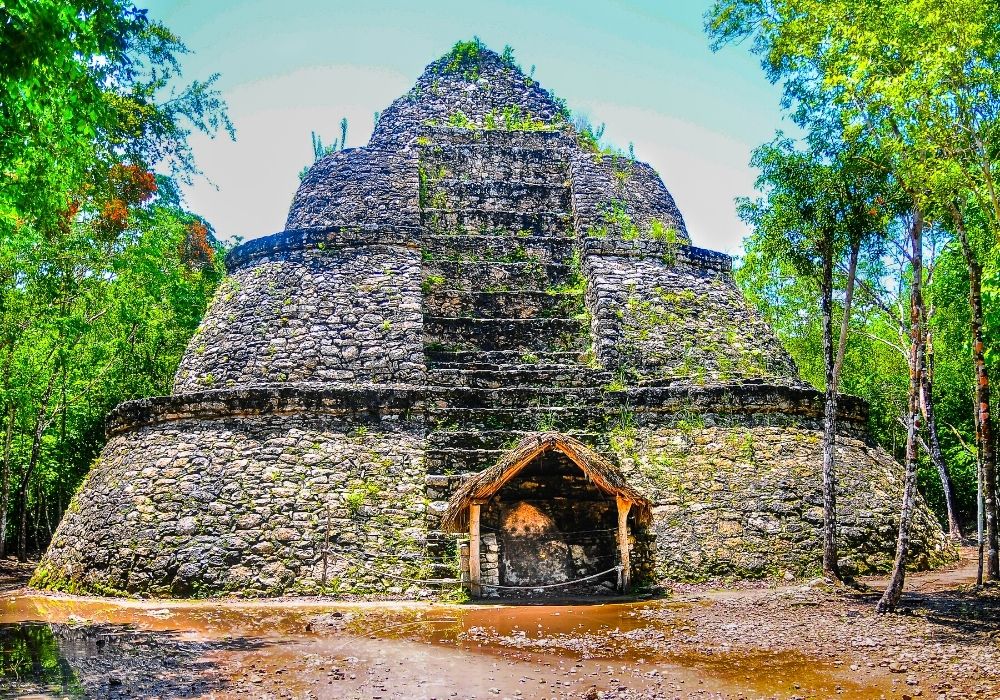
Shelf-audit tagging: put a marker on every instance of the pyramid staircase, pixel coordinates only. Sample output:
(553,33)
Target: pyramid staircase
(506,335)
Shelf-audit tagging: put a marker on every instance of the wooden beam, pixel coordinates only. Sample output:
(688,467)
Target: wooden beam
(511,471)
(475,575)
(623,553)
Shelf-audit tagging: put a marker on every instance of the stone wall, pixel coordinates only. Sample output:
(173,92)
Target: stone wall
(674,317)
(278,246)
(614,196)
(230,491)
(246,505)
(309,317)
(746,502)
(358,187)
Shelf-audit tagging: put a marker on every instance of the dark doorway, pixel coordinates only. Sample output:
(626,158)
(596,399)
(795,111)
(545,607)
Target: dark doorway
(553,526)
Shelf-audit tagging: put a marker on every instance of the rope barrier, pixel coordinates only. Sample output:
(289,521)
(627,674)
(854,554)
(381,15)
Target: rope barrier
(552,585)
(453,581)
(558,535)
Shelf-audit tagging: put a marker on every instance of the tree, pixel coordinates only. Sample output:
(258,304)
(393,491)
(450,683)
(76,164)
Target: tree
(985,436)
(819,207)
(97,294)
(894,590)
(321,150)
(912,78)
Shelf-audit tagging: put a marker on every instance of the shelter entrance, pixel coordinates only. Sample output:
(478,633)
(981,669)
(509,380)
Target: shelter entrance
(552,517)
(553,525)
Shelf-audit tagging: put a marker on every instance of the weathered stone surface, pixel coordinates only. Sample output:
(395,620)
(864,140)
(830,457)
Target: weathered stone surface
(438,295)
(746,502)
(356,187)
(612,191)
(309,317)
(670,319)
(279,509)
(438,95)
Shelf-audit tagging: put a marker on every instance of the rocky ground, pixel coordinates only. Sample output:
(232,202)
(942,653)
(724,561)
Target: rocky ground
(794,641)
(941,644)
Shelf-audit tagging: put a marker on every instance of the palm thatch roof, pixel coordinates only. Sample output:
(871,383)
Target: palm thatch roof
(486,483)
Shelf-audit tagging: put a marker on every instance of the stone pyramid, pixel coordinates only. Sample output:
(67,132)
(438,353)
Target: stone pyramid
(478,273)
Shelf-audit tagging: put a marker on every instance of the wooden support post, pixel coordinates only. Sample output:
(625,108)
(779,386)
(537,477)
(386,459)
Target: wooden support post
(475,576)
(623,554)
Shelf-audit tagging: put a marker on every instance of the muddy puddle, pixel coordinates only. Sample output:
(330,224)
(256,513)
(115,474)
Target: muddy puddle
(76,647)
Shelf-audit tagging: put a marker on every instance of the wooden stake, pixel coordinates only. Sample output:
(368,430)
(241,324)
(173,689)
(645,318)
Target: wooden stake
(623,554)
(475,576)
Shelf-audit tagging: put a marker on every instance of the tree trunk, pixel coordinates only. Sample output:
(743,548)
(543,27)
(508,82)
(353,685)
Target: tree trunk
(984,421)
(5,481)
(934,446)
(36,518)
(830,567)
(36,451)
(894,591)
(46,508)
(980,540)
(6,472)
(845,323)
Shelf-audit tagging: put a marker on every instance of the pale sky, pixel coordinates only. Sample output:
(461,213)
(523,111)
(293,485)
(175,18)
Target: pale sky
(641,67)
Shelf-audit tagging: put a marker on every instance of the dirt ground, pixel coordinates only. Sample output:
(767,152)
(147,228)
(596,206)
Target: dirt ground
(792,641)
(14,574)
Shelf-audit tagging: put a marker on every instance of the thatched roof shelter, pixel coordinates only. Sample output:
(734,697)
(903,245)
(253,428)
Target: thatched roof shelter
(486,483)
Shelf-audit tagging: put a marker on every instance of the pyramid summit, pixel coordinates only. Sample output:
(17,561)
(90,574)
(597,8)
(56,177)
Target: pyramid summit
(483,352)
(475,82)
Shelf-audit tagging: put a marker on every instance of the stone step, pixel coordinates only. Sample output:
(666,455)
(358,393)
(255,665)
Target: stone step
(525,335)
(475,366)
(443,542)
(441,569)
(497,195)
(494,277)
(459,461)
(525,375)
(502,359)
(499,248)
(516,304)
(518,397)
(490,162)
(445,135)
(561,418)
(502,440)
(496,222)
(451,454)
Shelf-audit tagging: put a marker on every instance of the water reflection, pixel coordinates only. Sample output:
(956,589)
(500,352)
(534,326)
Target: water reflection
(110,660)
(239,649)
(31,662)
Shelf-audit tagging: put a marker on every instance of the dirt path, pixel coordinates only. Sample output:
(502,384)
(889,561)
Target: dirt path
(791,642)
(14,575)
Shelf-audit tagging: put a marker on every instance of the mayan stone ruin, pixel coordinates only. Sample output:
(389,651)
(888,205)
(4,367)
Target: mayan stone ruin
(477,333)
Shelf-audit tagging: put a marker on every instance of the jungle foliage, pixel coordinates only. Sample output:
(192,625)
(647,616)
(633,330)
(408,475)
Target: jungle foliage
(103,273)
(909,92)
